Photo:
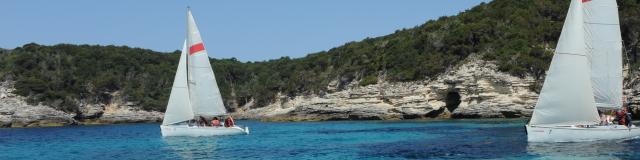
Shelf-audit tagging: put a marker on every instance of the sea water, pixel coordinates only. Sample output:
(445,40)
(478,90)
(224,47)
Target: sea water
(427,139)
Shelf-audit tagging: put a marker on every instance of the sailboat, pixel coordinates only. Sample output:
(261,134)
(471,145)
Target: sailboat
(195,92)
(585,74)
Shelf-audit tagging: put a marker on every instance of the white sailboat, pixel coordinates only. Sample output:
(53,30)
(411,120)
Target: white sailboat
(195,92)
(585,74)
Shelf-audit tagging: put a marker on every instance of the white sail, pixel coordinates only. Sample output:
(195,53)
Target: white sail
(205,95)
(604,45)
(566,96)
(179,108)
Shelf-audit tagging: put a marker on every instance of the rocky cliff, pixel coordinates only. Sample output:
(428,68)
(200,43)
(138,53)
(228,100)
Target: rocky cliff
(475,89)
(16,112)
(632,91)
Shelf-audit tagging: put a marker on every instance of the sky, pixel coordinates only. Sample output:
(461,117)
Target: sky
(249,30)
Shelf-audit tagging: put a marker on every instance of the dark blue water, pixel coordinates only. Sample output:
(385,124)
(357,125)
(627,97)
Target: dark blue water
(435,139)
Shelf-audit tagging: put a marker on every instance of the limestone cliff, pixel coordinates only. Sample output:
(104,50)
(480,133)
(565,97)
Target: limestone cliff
(117,111)
(16,112)
(473,90)
(632,92)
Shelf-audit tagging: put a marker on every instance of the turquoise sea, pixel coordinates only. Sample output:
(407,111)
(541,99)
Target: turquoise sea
(426,139)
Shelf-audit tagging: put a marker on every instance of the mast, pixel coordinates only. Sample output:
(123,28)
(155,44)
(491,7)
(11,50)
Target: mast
(186,43)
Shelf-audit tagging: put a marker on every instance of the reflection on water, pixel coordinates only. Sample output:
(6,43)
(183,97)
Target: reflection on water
(192,147)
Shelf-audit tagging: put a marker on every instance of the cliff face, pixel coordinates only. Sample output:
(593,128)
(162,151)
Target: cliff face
(632,92)
(473,90)
(16,112)
(117,111)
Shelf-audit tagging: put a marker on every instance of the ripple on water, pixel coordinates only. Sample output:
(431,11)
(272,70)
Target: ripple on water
(434,139)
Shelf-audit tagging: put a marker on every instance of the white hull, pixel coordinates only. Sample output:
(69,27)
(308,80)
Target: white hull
(194,131)
(579,134)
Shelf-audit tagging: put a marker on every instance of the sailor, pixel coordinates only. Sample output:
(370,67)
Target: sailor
(611,116)
(603,119)
(621,116)
(627,111)
(202,121)
(215,122)
(627,116)
(229,122)
(607,117)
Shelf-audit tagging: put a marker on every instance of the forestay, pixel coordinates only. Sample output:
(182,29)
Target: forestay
(566,96)
(604,45)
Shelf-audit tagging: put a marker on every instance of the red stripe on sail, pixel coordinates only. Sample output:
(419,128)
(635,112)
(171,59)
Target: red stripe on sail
(196,48)
(585,1)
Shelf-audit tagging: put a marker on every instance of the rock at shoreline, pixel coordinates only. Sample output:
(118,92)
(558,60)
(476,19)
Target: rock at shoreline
(124,114)
(15,112)
(91,111)
(474,90)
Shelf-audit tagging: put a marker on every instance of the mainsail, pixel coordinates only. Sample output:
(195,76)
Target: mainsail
(179,107)
(566,96)
(205,95)
(604,45)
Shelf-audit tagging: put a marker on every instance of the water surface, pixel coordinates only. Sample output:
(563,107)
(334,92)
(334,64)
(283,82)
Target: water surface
(428,139)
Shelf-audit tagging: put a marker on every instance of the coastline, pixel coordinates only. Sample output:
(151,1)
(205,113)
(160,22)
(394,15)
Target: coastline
(47,124)
(477,89)
(474,90)
(16,112)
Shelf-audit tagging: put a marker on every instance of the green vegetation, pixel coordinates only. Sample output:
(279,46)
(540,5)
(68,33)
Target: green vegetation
(66,75)
(368,80)
(518,34)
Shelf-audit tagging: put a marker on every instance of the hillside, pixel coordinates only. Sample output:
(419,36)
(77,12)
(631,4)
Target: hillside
(518,35)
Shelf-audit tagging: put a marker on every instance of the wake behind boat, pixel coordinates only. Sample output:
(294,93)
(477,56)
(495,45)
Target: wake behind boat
(585,74)
(195,94)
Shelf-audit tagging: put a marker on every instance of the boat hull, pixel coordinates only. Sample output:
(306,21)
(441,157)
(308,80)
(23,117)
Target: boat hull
(579,134)
(194,131)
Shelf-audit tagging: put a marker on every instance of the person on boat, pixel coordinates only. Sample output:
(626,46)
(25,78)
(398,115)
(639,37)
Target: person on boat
(215,122)
(606,117)
(603,119)
(202,122)
(229,122)
(627,116)
(621,117)
(613,116)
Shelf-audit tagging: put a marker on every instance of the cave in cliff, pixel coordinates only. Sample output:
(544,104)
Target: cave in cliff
(452,101)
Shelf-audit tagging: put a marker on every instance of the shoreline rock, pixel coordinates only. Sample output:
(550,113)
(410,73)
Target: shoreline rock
(473,90)
(15,112)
